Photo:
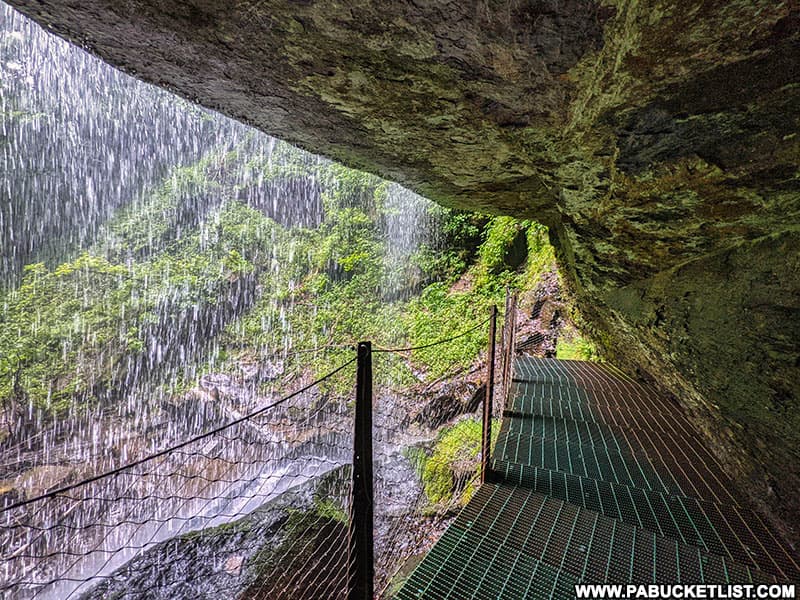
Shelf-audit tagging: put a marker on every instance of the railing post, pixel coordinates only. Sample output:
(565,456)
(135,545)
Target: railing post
(361,545)
(511,319)
(488,398)
(504,342)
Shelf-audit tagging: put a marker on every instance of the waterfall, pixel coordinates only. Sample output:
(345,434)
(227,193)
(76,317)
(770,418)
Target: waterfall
(154,257)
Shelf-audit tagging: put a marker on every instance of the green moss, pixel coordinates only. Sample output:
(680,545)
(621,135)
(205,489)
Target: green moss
(240,526)
(500,235)
(452,470)
(571,346)
(541,256)
(328,508)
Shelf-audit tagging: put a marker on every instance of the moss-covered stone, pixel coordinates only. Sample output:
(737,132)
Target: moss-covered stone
(658,140)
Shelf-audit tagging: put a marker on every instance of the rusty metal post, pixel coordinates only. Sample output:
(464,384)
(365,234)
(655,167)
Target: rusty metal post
(503,354)
(488,398)
(508,375)
(361,573)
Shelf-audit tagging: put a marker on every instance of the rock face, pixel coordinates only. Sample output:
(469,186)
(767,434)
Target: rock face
(657,138)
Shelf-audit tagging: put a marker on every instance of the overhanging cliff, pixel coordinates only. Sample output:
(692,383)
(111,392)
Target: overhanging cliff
(658,139)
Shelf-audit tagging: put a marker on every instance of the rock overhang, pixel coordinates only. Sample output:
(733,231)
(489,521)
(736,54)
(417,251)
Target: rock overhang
(658,140)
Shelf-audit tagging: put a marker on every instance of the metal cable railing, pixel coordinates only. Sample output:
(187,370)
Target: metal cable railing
(125,515)
(409,525)
(508,344)
(436,343)
(277,503)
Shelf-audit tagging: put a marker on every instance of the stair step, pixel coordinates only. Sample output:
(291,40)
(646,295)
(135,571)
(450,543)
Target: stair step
(512,542)
(734,532)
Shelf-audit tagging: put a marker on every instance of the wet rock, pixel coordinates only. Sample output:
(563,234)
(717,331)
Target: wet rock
(215,380)
(9,494)
(540,318)
(233,565)
(657,139)
(447,401)
(40,480)
(218,562)
(215,559)
(266,553)
(262,370)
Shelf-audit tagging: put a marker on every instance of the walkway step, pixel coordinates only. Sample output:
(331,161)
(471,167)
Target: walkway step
(596,478)
(734,532)
(512,542)
(570,404)
(597,462)
(658,461)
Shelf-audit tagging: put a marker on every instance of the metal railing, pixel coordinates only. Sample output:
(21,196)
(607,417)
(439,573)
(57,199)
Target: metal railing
(219,477)
(508,343)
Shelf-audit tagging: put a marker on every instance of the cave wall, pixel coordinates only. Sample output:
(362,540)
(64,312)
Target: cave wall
(657,138)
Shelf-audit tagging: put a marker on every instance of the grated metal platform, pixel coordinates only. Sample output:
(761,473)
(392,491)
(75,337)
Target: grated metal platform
(597,479)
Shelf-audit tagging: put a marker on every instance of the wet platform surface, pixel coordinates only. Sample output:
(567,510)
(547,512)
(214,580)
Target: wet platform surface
(595,478)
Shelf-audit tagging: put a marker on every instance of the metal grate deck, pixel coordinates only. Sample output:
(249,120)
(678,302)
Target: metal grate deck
(736,533)
(513,542)
(597,479)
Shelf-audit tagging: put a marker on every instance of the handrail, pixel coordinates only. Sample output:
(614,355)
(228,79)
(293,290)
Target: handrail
(488,398)
(361,564)
(432,344)
(171,449)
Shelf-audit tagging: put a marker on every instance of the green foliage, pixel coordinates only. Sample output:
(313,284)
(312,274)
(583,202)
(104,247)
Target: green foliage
(68,333)
(330,509)
(327,292)
(541,256)
(500,234)
(149,227)
(439,313)
(514,253)
(284,162)
(452,470)
(571,346)
(445,266)
(71,332)
(50,321)
(460,239)
(442,310)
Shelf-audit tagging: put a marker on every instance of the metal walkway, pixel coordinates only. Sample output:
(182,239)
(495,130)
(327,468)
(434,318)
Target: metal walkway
(597,479)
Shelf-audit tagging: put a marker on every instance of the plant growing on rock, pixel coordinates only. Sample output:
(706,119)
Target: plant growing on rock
(450,474)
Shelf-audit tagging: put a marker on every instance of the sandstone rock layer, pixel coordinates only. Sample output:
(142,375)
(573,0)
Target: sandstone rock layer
(657,138)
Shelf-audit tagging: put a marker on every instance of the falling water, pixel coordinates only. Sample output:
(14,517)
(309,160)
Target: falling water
(96,162)
(408,224)
(80,140)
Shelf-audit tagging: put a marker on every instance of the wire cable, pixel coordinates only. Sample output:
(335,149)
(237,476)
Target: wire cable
(437,343)
(183,444)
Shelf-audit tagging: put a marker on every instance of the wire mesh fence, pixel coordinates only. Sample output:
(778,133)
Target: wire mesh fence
(260,507)
(78,541)
(411,517)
